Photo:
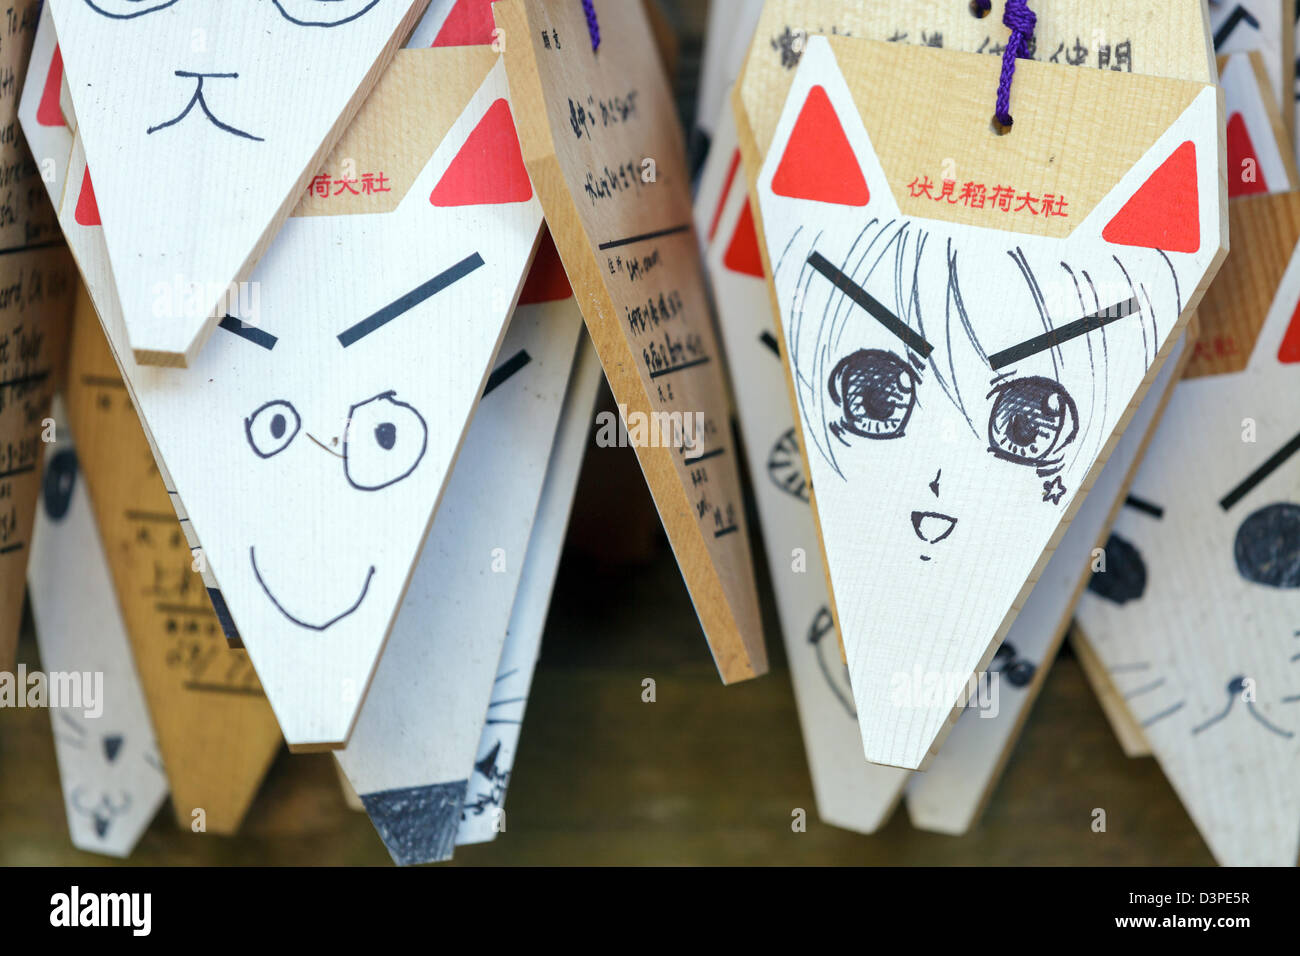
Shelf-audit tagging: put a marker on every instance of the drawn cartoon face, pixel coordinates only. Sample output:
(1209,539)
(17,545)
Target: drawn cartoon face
(113,760)
(229,62)
(221,107)
(957,384)
(330,425)
(1196,616)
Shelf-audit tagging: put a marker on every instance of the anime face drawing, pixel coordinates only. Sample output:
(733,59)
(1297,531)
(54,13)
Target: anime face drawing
(956,385)
(310,449)
(200,125)
(1200,626)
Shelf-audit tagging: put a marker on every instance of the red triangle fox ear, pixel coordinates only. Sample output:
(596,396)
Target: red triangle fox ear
(742,253)
(1241,149)
(49,113)
(489,168)
(1165,211)
(1289,352)
(469,23)
(87,212)
(819,163)
(547,281)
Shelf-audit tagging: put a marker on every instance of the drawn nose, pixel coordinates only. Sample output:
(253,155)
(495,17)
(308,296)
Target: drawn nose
(112,744)
(932,527)
(101,825)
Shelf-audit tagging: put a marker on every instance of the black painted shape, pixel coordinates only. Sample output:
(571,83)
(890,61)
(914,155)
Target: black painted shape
(1125,577)
(112,744)
(60,480)
(1267,546)
(1050,340)
(245,331)
(418,824)
(1230,24)
(502,373)
(860,297)
(224,619)
(488,765)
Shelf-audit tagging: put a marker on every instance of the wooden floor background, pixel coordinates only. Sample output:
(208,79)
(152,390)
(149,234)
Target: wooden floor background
(705,775)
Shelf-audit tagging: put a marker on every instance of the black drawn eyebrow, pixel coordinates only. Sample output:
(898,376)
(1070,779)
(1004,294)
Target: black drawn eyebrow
(409,301)
(1275,461)
(1048,340)
(862,298)
(505,370)
(245,331)
(1146,507)
(1230,24)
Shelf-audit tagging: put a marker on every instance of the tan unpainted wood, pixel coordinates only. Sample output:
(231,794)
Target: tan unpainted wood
(398,139)
(215,729)
(1132,740)
(1169,40)
(546,80)
(36,289)
(1265,230)
(30,218)
(895,84)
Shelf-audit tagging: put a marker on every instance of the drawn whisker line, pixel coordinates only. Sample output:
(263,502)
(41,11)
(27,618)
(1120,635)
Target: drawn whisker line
(1164,713)
(1154,685)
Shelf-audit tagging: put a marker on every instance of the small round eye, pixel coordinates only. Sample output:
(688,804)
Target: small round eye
(1031,421)
(1267,546)
(60,479)
(384,441)
(876,392)
(272,427)
(127,9)
(323,13)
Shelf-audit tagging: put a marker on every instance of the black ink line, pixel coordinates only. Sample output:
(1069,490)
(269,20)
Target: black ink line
(1164,713)
(1230,24)
(183,609)
(409,301)
(102,381)
(1125,668)
(1145,689)
(670,231)
(705,457)
(32,379)
(1049,340)
(1259,474)
(20,470)
(873,308)
(725,531)
(162,516)
(221,689)
(246,331)
(327,24)
(252,559)
(505,370)
(1146,507)
(10,548)
(768,339)
(678,368)
(203,105)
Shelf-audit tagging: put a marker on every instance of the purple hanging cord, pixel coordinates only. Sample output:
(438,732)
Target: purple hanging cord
(1022,21)
(593,25)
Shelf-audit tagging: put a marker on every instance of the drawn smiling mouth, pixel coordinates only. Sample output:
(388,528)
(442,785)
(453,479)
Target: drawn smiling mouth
(932,527)
(252,557)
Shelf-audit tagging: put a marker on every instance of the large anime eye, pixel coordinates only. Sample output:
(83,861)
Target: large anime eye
(272,427)
(1032,419)
(127,9)
(384,441)
(323,13)
(1267,546)
(876,392)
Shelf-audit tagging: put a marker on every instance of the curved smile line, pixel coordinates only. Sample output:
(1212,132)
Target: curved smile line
(252,557)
